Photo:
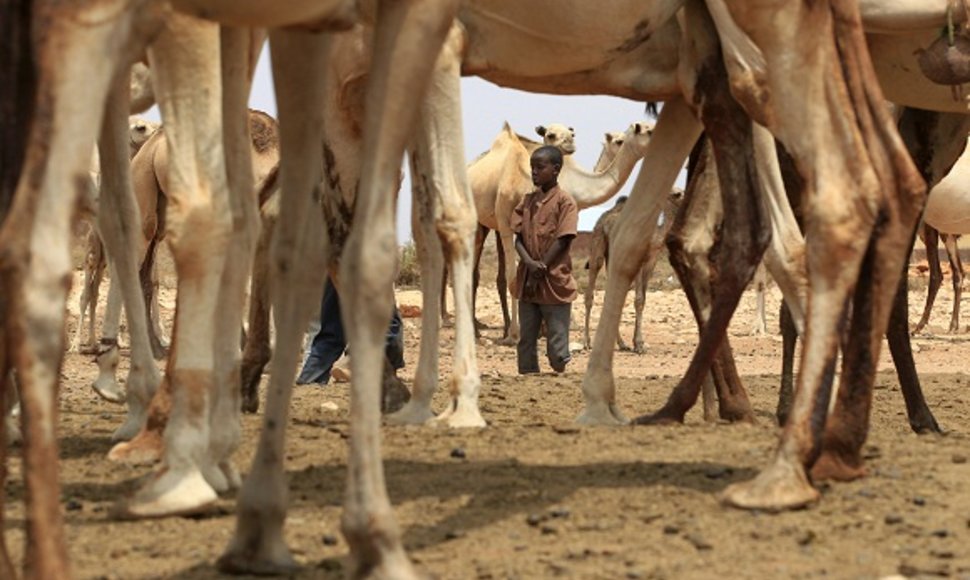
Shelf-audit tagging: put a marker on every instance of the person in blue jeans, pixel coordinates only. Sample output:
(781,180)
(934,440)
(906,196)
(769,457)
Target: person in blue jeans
(329,342)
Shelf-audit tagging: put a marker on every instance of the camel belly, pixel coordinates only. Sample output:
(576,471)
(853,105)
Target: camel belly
(542,38)
(312,14)
(900,77)
(948,206)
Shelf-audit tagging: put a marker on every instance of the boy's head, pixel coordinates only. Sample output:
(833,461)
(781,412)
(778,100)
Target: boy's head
(546,163)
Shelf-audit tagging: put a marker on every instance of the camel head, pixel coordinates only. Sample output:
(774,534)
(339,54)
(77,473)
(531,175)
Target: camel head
(612,143)
(559,136)
(638,136)
(139,130)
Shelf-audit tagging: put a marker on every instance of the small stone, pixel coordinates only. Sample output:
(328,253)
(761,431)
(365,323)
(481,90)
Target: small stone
(942,554)
(330,406)
(866,493)
(940,533)
(453,535)
(919,500)
(699,542)
(805,538)
(892,519)
(959,459)
(458,453)
(73,505)
(717,472)
(330,540)
(548,530)
(559,513)
(671,529)
(535,519)
(634,575)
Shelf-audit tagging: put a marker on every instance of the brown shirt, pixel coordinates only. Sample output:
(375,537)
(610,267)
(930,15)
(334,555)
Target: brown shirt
(541,222)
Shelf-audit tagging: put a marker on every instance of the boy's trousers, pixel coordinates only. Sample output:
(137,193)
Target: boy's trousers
(531,316)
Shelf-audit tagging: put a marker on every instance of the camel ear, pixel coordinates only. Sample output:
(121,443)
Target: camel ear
(638,128)
(573,131)
(609,138)
(541,130)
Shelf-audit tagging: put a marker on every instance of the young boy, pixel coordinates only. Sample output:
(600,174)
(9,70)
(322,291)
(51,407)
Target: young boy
(545,225)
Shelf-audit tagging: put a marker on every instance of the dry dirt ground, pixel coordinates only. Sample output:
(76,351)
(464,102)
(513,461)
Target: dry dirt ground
(535,496)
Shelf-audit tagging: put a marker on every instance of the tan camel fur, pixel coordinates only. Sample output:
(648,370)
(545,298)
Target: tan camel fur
(199,210)
(598,258)
(150,182)
(139,130)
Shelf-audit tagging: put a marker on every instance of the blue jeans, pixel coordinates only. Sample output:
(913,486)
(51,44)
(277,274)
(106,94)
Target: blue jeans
(329,342)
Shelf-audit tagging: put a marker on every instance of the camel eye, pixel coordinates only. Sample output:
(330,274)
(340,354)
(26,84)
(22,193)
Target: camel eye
(619,141)
(552,136)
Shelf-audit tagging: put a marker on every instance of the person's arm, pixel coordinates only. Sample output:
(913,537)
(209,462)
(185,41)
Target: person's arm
(557,249)
(531,264)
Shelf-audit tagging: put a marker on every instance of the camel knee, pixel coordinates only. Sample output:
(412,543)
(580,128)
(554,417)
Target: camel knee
(456,229)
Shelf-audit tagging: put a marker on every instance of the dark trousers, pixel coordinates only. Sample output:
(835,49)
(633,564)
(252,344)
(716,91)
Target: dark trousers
(329,343)
(556,317)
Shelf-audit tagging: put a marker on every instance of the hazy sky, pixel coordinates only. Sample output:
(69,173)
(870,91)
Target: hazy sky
(486,106)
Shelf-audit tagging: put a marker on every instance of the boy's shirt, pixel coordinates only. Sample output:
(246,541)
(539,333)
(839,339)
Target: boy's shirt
(541,222)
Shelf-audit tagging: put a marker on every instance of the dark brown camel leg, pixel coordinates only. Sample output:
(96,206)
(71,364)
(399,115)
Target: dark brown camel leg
(931,241)
(786,394)
(956,271)
(257,352)
(16,71)
(920,417)
(736,253)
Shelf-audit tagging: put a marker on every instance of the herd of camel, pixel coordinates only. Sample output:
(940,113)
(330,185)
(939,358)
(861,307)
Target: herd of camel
(791,99)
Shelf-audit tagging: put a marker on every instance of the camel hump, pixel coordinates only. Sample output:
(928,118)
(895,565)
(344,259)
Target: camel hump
(264,131)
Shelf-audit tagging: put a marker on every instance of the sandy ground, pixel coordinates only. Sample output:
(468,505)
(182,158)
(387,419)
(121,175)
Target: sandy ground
(535,496)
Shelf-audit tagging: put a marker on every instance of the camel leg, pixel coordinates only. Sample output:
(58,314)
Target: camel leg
(148,277)
(106,383)
(120,228)
(417,411)
(786,393)
(640,296)
(759,326)
(408,37)
(258,545)
(446,321)
(88,302)
(256,353)
(837,85)
(592,274)
(502,286)
(735,254)
(956,270)
(16,70)
(35,264)
(507,238)
(880,285)
(481,236)
(198,229)
(225,428)
(931,241)
(675,134)
(455,225)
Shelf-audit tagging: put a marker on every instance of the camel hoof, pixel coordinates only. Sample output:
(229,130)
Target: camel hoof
(831,467)
(169,493)
(394,395)
(659,418)
(640,349)
(779,487)
(109,390)
(601,415)
(507,341)
(144,449)
(128,429)
(460,416)
(239,563)
(412,413)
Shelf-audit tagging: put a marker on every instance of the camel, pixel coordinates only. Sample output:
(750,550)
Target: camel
(149,172)
(501,178)
(599,254)
(491,161)
(944,217)
(402,66)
